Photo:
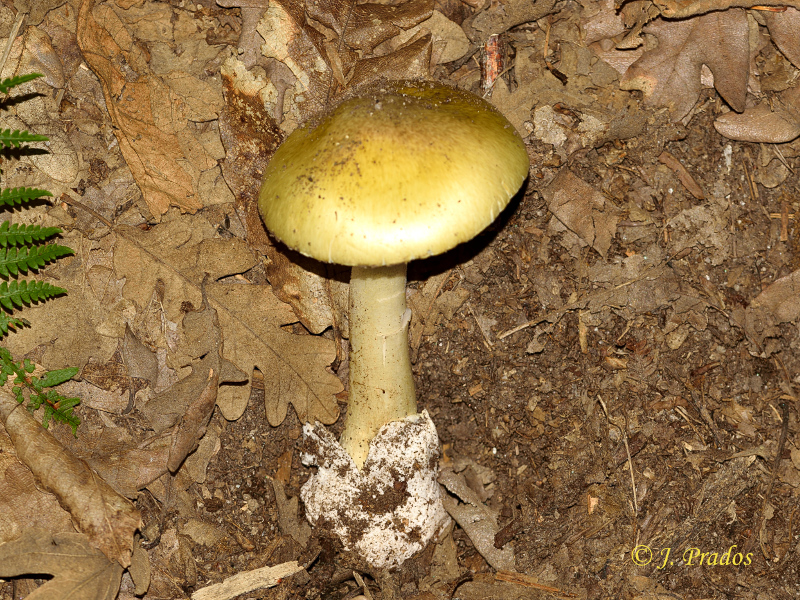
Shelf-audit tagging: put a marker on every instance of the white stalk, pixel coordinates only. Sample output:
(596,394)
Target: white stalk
(381,382)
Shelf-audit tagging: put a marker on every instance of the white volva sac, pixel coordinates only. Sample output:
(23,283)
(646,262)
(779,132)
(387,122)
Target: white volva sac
(391,508)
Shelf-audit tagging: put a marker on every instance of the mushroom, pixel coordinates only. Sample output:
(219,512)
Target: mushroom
(407,171)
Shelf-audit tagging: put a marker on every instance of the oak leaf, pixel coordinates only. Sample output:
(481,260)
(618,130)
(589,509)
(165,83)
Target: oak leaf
(80,571)
(151,114)
(669,75)
(179,254)
(330,45)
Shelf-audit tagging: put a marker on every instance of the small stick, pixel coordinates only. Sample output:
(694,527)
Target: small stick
(775,466)
(528,581)
(627,450)
(11,37)
(91,211)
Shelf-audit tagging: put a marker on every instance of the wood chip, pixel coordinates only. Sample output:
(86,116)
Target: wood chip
(683,175)
(242,583)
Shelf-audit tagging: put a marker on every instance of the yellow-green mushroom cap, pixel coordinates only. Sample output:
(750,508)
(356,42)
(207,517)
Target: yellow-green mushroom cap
(408,171)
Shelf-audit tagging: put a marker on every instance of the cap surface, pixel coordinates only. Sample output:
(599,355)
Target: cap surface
(407,172)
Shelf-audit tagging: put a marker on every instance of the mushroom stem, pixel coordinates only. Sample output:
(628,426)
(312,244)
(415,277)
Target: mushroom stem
(381,383)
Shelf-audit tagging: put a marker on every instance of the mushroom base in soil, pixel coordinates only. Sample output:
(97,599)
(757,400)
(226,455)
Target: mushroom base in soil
(383,471)
(406,171)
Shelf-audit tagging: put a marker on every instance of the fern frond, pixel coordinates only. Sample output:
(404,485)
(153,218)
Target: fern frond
(18,195)
(19,235)
(21,293)
(14,138)
(14,260)
(12,82)
(26,386)
(23,249)
(8,322)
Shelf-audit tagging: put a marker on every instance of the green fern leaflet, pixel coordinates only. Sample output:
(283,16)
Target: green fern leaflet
(12,82)
(23,248)
(13,234)
(23,293)
(13,260)
(18,195)
(14,138)
(31,388)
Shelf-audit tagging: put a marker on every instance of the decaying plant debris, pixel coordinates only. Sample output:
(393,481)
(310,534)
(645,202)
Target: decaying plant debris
(613,367)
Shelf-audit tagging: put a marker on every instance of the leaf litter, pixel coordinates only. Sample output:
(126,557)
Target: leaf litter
(662,260)
(80,571)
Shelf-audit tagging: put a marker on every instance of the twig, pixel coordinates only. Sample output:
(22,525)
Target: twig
(11,37)
(91,211)
(775,466)
(531,582)
(627,450)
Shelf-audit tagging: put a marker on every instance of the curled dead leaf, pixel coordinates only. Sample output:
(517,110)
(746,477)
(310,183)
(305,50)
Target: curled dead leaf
(151,114)
(582,209)
(107,518)
(771,123)
(680,9)
(477,520)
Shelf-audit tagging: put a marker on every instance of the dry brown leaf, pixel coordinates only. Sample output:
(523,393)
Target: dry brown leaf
(108,519)
(582,209)
(193,423)
(601,20)
(344,32)
(669,75)
(141,362)
(367,25)
(37,9)
(499,17)
(23,506)
(411,61)
(151,114)
(250,136)
(781,299)
(295,368)
(449,40)
(179,255)
(189,403)
(288,41)
(680,9)
(113,401)
(318,293)
(60,163)
(773,122)
(288,521)
(129,470)
(82,324)
(80,571)
(784,29)
(325,43)
(477,520)
(703,225)
(683,175)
